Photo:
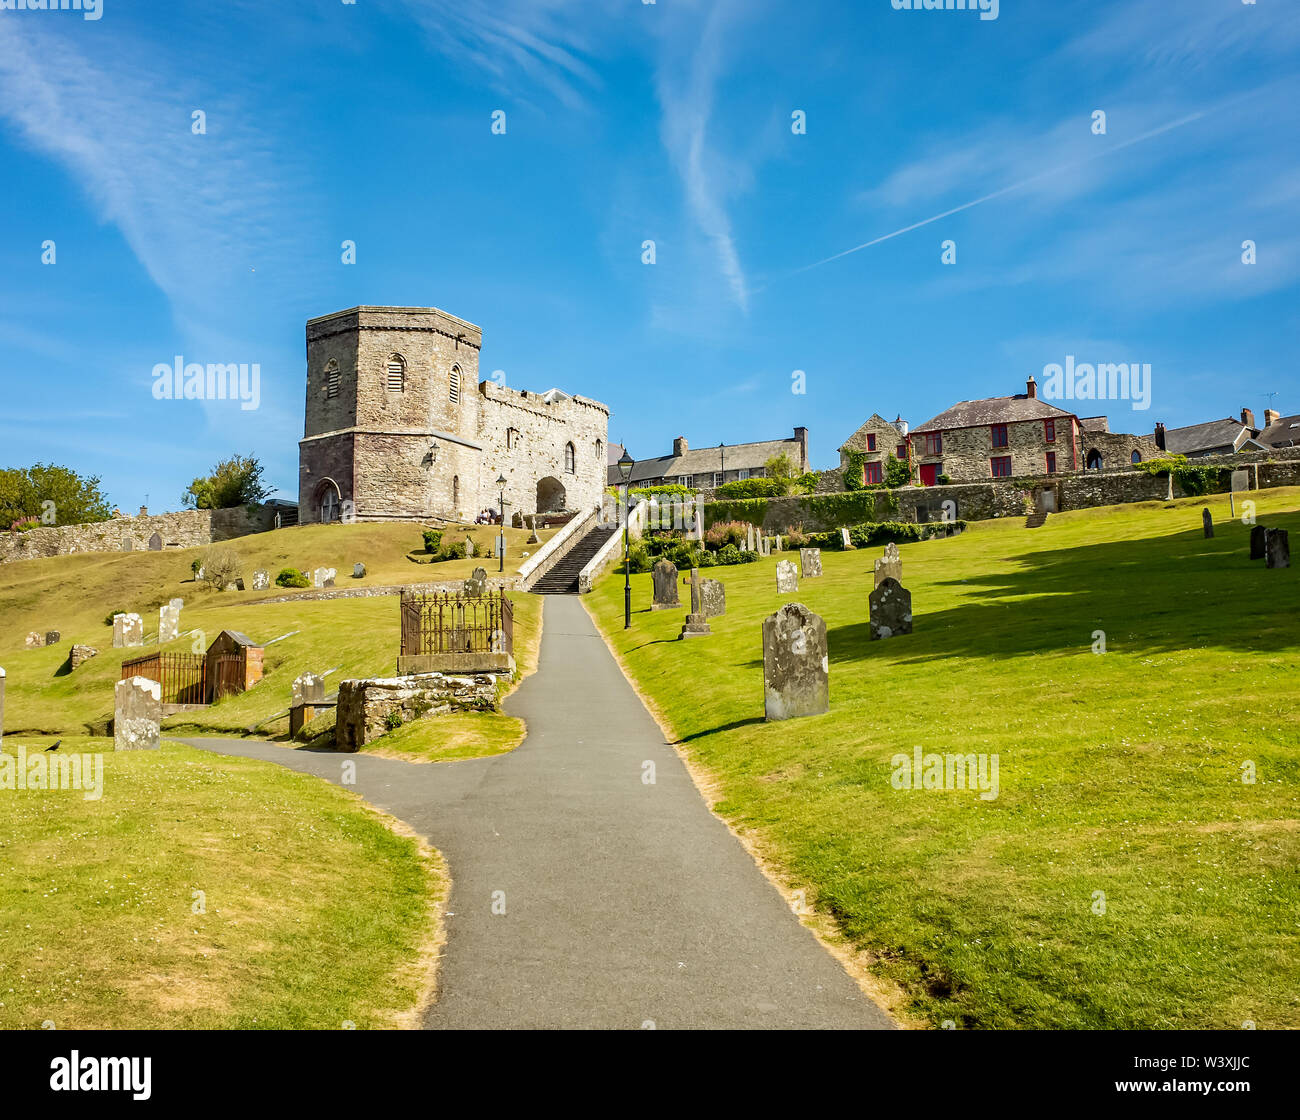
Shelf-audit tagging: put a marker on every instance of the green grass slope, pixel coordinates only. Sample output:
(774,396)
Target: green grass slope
(1120,773)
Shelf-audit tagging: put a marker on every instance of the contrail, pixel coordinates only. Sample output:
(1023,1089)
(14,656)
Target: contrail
(1007,190)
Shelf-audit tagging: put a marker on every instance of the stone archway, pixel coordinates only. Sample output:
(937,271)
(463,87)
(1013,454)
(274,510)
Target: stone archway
(550,495)
(329,501)
(1093,462)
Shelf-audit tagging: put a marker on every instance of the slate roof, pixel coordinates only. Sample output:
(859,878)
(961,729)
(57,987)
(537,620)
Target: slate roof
(707,460)
(1283,432)
(992,410)
(1204,437)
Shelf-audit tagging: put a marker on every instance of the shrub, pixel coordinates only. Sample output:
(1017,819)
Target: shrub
(728,554)
(195,566)
(291,577)
(432,540)
(236,481)
(26,525)
(748,556)
(898,472)
(944,479)
(751,488)
(638,559)
(797,538)
(393,720)
(705,559)
(726,532)
(221,566)
(454,551)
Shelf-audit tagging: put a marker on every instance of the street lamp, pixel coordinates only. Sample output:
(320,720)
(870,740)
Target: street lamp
(625,465)
(501,551)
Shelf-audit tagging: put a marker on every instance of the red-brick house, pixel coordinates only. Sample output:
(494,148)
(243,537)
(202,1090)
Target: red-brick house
(996,438)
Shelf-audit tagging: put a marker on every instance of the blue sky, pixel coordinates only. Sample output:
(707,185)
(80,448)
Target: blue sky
(628,121)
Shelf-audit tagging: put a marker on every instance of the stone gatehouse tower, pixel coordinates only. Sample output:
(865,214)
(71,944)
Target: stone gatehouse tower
(398,424)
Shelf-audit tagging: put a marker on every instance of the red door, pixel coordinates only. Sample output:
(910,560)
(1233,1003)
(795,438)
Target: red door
(929,474)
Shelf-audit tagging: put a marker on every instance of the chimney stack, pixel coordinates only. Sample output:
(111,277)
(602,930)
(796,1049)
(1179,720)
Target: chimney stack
(1248,418)
(801,437)
(1271,417)
(1031,387)
(679,445)
(144,511)
(1160,436)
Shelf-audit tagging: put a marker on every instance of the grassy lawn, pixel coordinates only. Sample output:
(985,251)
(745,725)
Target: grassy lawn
(342,637)
(1119,773)
(316,913)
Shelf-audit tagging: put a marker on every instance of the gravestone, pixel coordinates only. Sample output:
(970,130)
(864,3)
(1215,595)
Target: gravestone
(1240,481)
(323,577)
(128,545)
(664,577)
(169,621)
(1208,522)
(1277,548)
(52,637)
(533,538)
(845,541)
(697,623)
(498,546)
(796,669)
(697,526)
(765,546)
(476,585)
(469,548)
(35,640)
(810,562)
(780,544)
(128,631)
(891,609)
(1257,542)
(261,579)
(889,566)
(358,571)
(787,577)
(80,655)
(137,711)
(238,585)
(308,689)
(2,703)
(713,598)
(155,543)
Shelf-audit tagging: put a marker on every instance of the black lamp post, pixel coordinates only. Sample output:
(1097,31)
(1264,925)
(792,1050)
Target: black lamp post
(501,551)
(625,465)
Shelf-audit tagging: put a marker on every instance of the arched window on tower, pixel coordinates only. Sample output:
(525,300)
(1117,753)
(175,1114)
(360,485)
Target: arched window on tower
(600,452)
(331,380)
(1136,457)
(453,388)
(570,464)
(396,374)
(512,438)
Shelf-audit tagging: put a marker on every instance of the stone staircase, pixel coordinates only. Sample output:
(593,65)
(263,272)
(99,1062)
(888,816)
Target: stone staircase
(562,579)
(1035,519)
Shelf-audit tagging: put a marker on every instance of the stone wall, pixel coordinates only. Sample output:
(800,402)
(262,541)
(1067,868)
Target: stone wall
(364,707)
(967,452)
(189,528)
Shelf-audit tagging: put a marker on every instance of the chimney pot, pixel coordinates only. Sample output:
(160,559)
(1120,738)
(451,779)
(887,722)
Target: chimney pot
(679,445)
(1271,417)
(1160,436)
(144,511)
(1031,387)
(1248,417)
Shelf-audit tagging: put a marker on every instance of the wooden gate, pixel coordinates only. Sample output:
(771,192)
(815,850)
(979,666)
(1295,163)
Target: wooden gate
(229,675)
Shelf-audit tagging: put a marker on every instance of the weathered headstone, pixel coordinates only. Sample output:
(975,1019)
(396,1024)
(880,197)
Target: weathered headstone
(358,571)
(80,655)
(664,578)
(323,577)
(155,543)
(1240,481)
(169,621)
(1257,542)
(498,546)
(891,609)
(35,640)
(810,562)
(1277,548)
(128,545)
(308,688)
(846,541)
(1208,522)
(261,579)
(889,566)
(713,598)
(137,712)
(52,637)
(780,543)
(765,546)
(476,585)
(787,577)
(469,547)
(533,538)
(796,668)
(697,524)
(697,623)
(128,631)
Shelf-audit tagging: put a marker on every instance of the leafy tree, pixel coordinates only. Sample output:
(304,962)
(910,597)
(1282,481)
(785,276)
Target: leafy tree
(74,500)
(236,481)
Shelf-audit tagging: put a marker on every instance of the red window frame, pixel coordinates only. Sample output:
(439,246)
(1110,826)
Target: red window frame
(871,441)
(872,474)
(996,462)
(1051,462)
(1049,431)
(998,434)
(901,455)
(933,443)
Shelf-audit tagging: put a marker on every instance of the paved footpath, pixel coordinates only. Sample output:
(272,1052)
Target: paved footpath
(625,903)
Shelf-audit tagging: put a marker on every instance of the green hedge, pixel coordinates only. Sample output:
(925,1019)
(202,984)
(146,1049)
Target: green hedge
(751,488)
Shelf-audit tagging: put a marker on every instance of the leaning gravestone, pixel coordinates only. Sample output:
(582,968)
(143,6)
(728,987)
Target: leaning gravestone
(137,712)
(787,577)
(713,598)
(1257,542)
(810,562)
(697,622)
(80,655)
(261,580)
(891,609)
(889,566)
(35,640)
(358,571)
(476,585)
(52,637)
(1208,523)
(1277,548)
(664,577)
(796,669)
(169,621)
(128,631)
(845,541)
